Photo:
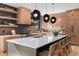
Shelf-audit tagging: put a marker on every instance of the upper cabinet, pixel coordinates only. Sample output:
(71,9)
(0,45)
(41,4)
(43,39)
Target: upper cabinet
(8,16)
(8,12)
(74,13)
(24,16)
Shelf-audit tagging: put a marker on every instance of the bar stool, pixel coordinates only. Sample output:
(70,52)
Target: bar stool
(60,43)
(60,53)
(68,46)
(51,52)
(67,41)
(63,47)
(63,43)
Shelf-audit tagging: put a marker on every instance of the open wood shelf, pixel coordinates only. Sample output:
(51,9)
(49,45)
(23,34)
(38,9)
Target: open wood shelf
(8,10)
(3,17)
(8,13)
(8,26)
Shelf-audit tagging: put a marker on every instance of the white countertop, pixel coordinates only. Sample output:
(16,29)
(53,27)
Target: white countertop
(11,35)
(35,42)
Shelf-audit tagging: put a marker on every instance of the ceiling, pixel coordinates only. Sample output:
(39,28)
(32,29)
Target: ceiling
(47,7)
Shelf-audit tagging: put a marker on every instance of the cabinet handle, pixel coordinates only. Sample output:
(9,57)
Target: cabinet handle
(73,31)
(72,28)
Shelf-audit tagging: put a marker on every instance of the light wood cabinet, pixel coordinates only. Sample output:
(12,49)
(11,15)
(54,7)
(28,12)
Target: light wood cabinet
(3,43)
(70,23)
(75,31)
(24,16)
(8,16)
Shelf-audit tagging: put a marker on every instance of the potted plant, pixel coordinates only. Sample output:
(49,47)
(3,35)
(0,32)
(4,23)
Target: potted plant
(55,33)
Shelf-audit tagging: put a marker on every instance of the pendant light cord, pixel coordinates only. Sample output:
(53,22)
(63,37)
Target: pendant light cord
(35,6)
(46,8)
(53,7)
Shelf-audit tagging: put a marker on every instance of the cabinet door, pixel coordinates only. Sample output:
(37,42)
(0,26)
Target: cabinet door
(3,45)
(76,32)
(70,23)
(68,27)
(24,16)
(72,28)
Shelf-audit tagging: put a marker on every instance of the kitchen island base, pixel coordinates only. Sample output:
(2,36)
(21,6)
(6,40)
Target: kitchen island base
(19,50)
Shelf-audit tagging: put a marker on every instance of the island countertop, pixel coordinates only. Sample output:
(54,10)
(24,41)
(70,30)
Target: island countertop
(36,42)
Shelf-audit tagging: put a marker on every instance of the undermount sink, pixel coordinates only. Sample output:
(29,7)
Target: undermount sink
(37,36)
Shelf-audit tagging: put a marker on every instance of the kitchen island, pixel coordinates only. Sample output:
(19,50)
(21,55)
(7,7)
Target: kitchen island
(31,46)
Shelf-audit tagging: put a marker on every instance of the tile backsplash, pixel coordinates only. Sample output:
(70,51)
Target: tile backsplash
(19,30)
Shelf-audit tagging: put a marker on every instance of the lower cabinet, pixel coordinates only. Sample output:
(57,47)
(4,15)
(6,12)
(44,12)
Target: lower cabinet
(3,43)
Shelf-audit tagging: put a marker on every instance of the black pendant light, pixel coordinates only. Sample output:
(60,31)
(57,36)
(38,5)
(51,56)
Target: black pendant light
(53,18)
(46,17)
(35,15)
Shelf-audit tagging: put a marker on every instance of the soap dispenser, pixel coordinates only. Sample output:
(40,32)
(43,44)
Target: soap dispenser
(13,32)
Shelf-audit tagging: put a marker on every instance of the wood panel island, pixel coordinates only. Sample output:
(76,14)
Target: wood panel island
(31,46)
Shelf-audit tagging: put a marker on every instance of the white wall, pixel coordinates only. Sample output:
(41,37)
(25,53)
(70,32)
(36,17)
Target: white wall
(58,7)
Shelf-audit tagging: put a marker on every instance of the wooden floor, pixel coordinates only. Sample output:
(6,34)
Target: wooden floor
(74,51)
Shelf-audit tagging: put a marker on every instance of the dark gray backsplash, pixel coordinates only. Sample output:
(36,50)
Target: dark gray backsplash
(21,29)
(5,31)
